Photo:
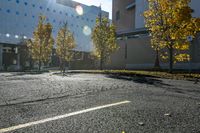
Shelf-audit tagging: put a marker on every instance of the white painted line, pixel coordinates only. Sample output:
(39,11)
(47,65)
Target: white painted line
(60,117)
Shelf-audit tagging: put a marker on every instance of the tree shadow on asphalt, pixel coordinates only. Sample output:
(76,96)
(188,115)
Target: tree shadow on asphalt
(158,83)
(140,79)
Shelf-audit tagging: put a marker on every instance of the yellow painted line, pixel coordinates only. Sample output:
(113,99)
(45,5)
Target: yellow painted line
(59,117)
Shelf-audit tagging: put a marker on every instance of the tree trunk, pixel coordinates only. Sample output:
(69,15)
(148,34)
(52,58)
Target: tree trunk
(101,63)
(39,67)
(171,59)
(69,65)
(63,68)
(40,56)
(157,62)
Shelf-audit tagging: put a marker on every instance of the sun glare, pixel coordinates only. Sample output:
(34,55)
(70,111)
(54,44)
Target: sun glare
(79,10)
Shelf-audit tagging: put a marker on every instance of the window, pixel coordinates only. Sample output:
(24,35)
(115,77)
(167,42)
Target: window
(25,3)
(0,9)
(8,10)
(66,14)
(60,12)
(25,14)
(41,7)
(117,15)
(17,1)
(54,10)
(33,16)
(17,13)
(33,5)
(48,9)
(54,20)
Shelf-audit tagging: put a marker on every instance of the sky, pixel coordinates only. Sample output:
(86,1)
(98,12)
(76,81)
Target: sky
(105,4)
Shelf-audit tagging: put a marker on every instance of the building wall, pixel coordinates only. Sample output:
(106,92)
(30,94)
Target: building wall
(139,53)
(117,60)
(126,17)
(20,17)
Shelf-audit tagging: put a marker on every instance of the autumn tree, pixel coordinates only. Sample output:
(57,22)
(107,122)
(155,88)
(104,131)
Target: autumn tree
(65,45)
(42,43)
(170,22)
(104,40)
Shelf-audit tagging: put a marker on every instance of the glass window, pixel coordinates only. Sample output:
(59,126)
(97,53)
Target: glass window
(25,3)
(117,15)
(33,5)
(17,13)
(54,10)
(25,14)
(60,12)
(17,1)
(33,16)
(8,10)
(66,14)
(48,9)
(41,7)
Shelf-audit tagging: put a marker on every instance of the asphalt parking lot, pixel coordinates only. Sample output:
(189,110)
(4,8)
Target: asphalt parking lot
(89,103)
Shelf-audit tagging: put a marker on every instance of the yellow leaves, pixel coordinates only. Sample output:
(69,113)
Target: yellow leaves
(65,44)
(42,43)
(169,23)
(182,57)
(104,39)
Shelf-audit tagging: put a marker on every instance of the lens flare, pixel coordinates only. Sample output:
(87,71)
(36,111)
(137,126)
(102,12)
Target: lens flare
(87,30)
(7,35)
(16,36)
(79,10)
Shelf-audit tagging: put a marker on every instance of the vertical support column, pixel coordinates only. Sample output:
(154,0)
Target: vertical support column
(1,57)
